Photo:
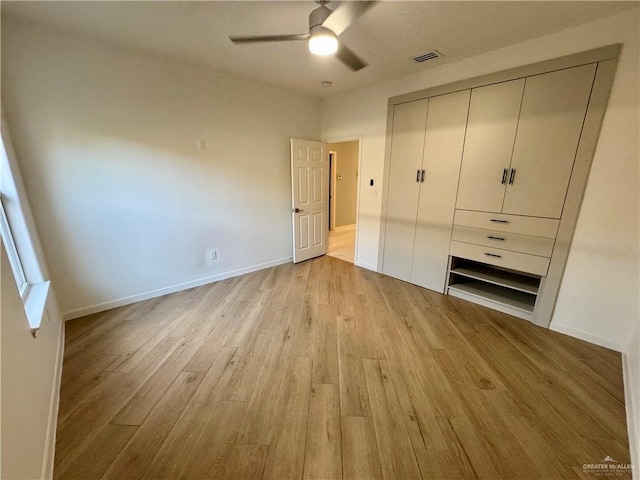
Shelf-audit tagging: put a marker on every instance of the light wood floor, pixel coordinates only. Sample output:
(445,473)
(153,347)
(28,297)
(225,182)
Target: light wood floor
(324,370)
(342,242)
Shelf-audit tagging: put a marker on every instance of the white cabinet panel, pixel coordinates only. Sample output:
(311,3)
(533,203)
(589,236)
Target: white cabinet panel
(491,130)
(444,139)
(553,110)
(539,227)
(409,121)
(502,258)
(540,246)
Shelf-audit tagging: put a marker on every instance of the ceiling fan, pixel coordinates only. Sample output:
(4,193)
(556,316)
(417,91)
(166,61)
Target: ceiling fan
(325,25)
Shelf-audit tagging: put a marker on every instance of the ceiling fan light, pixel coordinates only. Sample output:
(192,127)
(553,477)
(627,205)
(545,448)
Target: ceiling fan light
(323,43)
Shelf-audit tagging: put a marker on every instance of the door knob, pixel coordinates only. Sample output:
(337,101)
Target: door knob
(297,210)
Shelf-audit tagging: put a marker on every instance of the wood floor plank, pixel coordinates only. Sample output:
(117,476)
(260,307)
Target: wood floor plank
(99,453)
(138,454)
(475,449)
(323,458)
(242,332)
(286,455)
(537,408)
(325,370)
(245,462)
(301,317)
(542,455)
(397,458)
(245,378)
(441,464)
(416,406)
(405,404)
(98,408)
(325,351)
(82,382)
(360,459)
(354,397)
(259,424)
(144,400)
(178,447)
(216,441)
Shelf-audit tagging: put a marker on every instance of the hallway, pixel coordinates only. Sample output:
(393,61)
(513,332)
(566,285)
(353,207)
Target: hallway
(342,242)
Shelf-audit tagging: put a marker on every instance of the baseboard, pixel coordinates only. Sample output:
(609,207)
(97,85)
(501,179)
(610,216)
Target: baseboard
(100,307)
(586,336)
(632,412)
(50,443)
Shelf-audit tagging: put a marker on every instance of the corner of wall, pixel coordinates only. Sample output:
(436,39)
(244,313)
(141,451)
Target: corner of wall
(631,377)
(50,442)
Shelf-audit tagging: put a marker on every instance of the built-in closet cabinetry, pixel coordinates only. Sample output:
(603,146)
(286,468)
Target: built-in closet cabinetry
(521,141)
(485,179)
(426,151)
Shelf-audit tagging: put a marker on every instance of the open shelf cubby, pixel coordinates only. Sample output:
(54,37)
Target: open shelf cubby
(495,285)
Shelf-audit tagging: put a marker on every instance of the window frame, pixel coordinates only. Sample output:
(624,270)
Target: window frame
(12,252)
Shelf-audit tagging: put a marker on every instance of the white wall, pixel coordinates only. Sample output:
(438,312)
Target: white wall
(632,398)
(30,370)
(125,201)
(599,296)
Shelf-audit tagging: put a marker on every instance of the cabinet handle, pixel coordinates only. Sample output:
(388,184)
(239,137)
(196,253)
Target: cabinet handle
(512,176)
(495,220)
(492,255)
(504,175)
(491,237)
(422,176)
(418,176)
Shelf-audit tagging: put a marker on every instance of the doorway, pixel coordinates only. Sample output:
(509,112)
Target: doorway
(343,199)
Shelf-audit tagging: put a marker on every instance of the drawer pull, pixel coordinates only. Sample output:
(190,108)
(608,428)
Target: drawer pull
(417,176)
(495,220)
(512,177)
(504,175)
(500,239)
(492,255)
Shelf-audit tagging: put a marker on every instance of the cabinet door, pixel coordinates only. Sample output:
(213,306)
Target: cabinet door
(444,139)
(491,131)
(553,110)
(407,141)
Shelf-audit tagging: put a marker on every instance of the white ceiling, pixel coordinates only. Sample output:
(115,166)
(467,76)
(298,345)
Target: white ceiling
(387,36)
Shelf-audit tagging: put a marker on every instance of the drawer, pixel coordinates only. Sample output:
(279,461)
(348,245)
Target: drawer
(522,262)
(504,240)
(538,227)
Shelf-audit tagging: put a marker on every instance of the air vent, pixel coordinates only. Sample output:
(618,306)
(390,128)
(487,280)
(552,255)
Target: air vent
(427,56)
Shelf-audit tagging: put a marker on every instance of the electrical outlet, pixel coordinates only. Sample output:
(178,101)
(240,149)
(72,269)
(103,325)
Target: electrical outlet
(212,255)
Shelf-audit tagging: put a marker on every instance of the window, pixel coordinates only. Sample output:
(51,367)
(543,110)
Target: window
(18,235)
(12,252)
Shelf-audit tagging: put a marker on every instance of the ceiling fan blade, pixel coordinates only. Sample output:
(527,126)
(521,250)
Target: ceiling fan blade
(345,14)
(270,38)
(346,55)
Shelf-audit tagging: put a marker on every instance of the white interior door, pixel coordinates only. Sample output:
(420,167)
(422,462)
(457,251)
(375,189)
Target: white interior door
(309,198)
(407,142)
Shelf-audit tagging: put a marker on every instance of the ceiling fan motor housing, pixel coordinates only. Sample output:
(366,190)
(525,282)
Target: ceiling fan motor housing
(318,16)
